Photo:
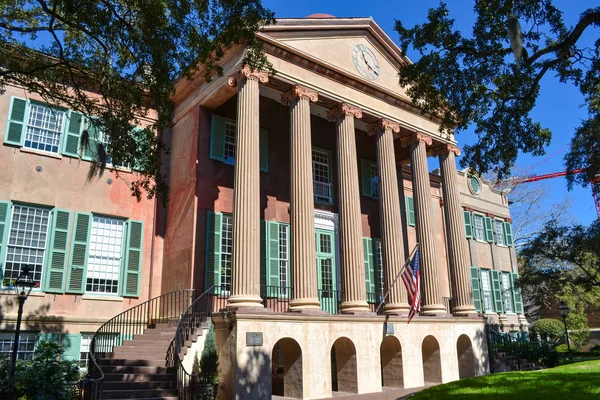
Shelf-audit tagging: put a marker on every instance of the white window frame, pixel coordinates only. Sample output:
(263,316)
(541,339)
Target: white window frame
(284,257)
(374,180)
(93,259)
(22,247)
(86,341)
(479,233)
(229,139)
(327,185)
(60,132)
(507,298)
(499,232)
(487,297)
(226,243)
(27,339)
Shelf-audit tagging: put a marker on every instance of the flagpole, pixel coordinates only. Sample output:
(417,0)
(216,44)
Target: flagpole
(399,273)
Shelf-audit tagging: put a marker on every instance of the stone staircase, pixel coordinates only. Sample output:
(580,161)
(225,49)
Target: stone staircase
(138,368)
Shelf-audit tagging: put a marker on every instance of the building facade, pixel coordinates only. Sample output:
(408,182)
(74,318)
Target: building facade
(295,199)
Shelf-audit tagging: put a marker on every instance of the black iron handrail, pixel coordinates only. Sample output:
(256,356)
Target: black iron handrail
(193,319)
(124,326)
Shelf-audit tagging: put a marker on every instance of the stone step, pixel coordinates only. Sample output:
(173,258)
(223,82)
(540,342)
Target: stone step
(138,394)
(132,363)
(139,376)
(123,386)
(137,369)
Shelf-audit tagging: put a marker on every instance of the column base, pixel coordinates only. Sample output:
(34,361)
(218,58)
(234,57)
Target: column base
(464,310)
(397,309)
(305,304)
(434,309)
(240,301)
(351,307)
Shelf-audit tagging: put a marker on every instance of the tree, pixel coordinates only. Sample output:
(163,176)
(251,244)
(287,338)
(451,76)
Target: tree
(492,79)
(116,60)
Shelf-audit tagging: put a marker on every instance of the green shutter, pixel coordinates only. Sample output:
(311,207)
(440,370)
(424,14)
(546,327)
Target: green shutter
(264,150)
(5,213)
(518,301)
(508,234)
(217,138)
(79,253)
(214,223)
(132,265)
(468,224)
(263,258)
(410,210)
(51,337)
(272,271)
(489,230)
(72,135)
(476,287)
(56,262)
(497,292)
(15,125)
(365,178)
(71,346)
(370,277)
(90,152)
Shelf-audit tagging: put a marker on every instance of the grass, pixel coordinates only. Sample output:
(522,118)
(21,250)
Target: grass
(574,381)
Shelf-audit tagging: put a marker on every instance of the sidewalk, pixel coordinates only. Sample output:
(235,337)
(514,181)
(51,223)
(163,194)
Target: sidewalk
(386,394)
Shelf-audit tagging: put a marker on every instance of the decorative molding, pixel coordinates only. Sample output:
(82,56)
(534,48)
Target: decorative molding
(246,72)
(344,109)
(469,209)
(446,149)
(298,92)
(508,219)
(381,125)
(441,202)
(416,138)
(492,216)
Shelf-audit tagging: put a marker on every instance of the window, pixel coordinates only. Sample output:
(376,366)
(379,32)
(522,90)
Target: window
(322,176)
(84,349)
(27,242)
(486,289)
(369,179)
(379,254)
(374,181)
(507,292)
(499,230)
(283,259)
(230,143)
(104,260)
(325,247)
(226,246)
(479,228)
(44,128)
(26,345)
(474,185)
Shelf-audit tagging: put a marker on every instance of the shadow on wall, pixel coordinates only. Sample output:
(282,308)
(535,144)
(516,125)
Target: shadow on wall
(343,366)
(254,380)
(286,369)
(481,364)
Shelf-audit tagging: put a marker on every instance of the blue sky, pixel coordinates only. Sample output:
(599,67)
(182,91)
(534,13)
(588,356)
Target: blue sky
(559,106)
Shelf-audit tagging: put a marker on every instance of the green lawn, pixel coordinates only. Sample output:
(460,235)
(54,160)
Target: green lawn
(576,381)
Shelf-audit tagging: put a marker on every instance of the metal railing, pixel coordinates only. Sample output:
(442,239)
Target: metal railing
(374,301)
(276,298)
(322,191)
(162,309)
(330,300)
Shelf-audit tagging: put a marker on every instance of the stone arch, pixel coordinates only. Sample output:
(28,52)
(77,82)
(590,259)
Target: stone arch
(392,374)
(286,369)
(466,360)
(344,377)
(432,362)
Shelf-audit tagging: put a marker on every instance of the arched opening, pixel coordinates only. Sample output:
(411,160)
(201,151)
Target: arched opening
(391,363)
(286,369)
(466,361)
(343,366)
(432,363)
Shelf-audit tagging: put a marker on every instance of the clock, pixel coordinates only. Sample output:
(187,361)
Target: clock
(365,62)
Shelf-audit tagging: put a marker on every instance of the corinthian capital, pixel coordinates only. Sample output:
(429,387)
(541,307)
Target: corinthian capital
(298,92)
(246,72)
(416,138)
(381,125)
(344,109)
(446,149)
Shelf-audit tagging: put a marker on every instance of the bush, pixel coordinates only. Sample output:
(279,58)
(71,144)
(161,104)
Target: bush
(549,329)
(595,349)
(562,348)
(208,367)
(44,377)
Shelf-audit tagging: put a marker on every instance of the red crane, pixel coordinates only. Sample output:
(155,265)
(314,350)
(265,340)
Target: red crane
(595,183)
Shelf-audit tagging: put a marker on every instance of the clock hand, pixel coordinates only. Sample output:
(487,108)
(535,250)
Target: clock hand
(369,64)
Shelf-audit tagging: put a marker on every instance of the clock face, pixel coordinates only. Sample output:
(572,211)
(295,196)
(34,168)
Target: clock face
(365,62)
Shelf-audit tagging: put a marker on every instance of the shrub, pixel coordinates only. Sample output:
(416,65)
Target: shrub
(44,377)
(595,349)
(562,348)
(549,329)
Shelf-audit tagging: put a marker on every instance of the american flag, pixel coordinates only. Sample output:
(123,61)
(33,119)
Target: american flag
(411,276)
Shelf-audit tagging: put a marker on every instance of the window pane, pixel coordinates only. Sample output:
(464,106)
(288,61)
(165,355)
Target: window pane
(321,183)
(479,232)
(26,345)
(26,242)
(487,290)
(104,260)
(44,127)
(230,143)
(499,228)
(226,246)
(374,181)
(507,293)
(283,259)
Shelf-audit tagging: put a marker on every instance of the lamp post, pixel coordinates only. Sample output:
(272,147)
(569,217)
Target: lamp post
(563,309)
(22,286)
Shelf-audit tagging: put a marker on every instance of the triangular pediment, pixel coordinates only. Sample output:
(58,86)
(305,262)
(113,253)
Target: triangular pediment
(357,47)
